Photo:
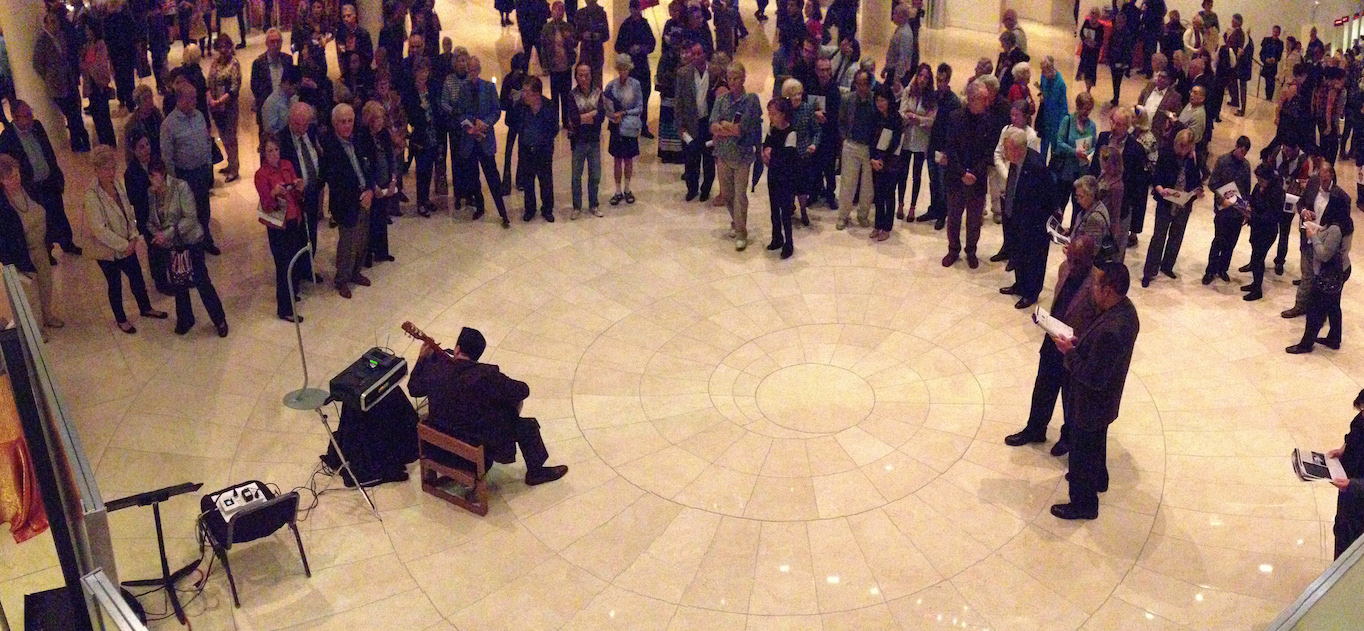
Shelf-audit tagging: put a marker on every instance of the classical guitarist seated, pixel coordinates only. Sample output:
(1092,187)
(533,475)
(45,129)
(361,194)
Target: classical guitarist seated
(479,405)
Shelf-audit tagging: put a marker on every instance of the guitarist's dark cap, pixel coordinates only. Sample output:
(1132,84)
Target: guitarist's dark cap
(471,343)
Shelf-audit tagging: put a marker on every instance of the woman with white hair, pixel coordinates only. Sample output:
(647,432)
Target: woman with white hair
(1052,109)
(625,98)
(809,133)
(113,230)
(1020,91)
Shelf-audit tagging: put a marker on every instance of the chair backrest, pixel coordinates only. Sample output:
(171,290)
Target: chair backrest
(255,522)
(427,435)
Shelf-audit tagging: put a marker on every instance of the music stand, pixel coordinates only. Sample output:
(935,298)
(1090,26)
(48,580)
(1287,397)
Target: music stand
(314,399)
(168,579)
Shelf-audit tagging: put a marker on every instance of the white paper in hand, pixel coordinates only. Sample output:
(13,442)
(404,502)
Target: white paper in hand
(1178,198)
(1290,203)
(686,138)
(1054,231)
(883,143)
(791,140)
(1051,325)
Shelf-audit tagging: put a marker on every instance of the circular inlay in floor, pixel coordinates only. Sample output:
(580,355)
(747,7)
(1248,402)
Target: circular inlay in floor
(815,398)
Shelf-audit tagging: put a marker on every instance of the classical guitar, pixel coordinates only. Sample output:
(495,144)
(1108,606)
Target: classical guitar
(417,334)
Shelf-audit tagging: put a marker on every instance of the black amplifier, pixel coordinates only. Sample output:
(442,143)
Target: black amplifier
(369,379)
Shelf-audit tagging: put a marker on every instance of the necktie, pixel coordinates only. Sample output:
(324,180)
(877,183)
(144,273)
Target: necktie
(306,155)
(1011,190)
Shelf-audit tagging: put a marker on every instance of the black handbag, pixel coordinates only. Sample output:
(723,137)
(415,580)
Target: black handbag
(217,153)
(1330,279)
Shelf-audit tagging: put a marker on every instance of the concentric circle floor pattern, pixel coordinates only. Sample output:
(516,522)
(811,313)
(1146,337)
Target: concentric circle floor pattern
(754,444)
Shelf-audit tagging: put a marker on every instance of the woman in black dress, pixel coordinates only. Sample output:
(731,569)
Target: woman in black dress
(1091,44)
(783,173)
(1350,503)
(1120,45)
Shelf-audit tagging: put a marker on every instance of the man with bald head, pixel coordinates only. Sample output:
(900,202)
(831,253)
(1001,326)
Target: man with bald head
(298,144)
(348,174)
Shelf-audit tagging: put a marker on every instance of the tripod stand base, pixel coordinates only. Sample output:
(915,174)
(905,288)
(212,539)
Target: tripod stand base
(166,582)
(306,399)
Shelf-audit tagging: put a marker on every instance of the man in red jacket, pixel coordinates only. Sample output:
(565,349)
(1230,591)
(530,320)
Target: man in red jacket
(479,405)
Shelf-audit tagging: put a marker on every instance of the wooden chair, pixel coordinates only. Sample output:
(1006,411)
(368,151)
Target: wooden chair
(445,458)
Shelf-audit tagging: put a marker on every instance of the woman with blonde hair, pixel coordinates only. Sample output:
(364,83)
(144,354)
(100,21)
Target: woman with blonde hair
(113,230)
(384,166)
(225,78)
(23,237)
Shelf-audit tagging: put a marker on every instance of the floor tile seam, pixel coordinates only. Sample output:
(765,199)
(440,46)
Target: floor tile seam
(1128,563)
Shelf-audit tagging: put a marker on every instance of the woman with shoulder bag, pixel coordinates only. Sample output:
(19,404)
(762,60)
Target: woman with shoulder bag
(278,186)
(1073,150)
(174,225)
(1093,219)
(1329,238)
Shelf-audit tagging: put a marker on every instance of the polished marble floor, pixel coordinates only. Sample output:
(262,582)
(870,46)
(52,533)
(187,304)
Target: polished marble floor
(755,444)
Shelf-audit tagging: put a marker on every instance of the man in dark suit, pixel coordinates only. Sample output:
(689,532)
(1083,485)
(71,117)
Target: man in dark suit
(937,143)
(475,116)
(479,405)
(1010,57)
(1029,202)
(968,158)
(348,176)
(1271,51)
(298,144)
(635,38)
(27,142)
(268,70)
(351,37)
(1097,360)
(1073,304)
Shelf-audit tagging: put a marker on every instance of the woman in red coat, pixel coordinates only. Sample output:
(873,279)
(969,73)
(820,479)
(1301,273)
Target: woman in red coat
(281,213)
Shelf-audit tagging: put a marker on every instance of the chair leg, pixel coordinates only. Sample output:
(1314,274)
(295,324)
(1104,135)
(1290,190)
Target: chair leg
(307,572)
(231,582)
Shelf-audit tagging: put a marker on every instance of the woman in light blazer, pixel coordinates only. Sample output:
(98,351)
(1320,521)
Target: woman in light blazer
(174,225)
(113,226)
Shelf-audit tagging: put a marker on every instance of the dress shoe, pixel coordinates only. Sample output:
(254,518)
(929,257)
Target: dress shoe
(1289,314)
(1250,287)
(1252,295)
(1329,343)
(864,222)
(996,219)
(506,223)
(73,250)
(972,262)
(1298,349)
(212,249)
(704,197)
(1244,268)
(222,329)
(317,279)
(127,327)
(1207,279)
(155,315)
(1023,438)
(1009,267)
(1145,282)
(361,280)
(1061,448)
(1001,256)
(805,219)
(786,252)
(841,225)
(949,260)
(1071,512)
(1225,278)
(1025,302)
(774,246)
(527,216)
(545,474)
(387,258)
(344,291)
(940,224)
(926,217)
(647,134)
(1170,273)
(478,214)
(293,319)
(833,204)
(549,217)
(1278,269)
(1131,240)
(1009,291)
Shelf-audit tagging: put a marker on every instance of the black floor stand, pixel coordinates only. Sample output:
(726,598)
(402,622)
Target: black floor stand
(168,579)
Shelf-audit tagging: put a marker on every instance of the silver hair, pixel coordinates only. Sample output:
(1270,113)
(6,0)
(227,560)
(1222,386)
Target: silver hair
(1021,68)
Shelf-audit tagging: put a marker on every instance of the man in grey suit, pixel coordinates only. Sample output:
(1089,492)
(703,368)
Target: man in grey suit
(694,97)
(1097,360)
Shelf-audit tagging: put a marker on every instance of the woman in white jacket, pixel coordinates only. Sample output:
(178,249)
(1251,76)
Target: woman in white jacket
(113,226)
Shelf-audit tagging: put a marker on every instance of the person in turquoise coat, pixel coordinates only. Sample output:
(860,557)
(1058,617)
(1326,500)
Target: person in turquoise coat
(1053,108)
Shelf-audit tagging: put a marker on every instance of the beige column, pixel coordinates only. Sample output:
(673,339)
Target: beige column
(22,21)
(372,18)
(876,26)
